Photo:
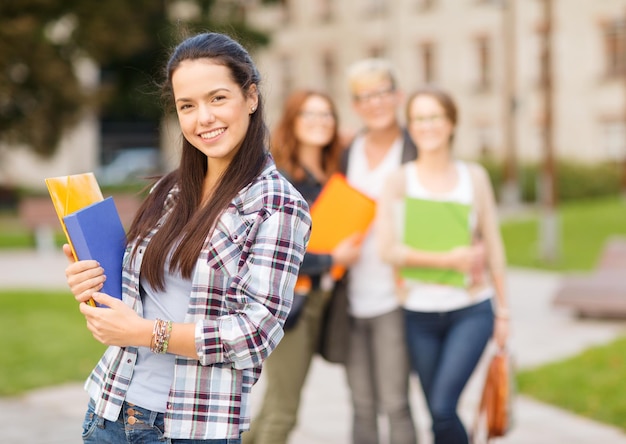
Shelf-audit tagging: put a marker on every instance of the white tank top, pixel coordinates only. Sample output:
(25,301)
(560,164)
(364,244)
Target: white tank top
(428,297)
(371,284)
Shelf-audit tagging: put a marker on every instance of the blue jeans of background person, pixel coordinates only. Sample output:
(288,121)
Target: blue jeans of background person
(134,425)
(445,348)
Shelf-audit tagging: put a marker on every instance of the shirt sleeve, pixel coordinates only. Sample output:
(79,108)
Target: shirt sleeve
(260,295)
(315,264)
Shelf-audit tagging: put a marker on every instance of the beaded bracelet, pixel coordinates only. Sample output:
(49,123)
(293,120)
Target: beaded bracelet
(160,336)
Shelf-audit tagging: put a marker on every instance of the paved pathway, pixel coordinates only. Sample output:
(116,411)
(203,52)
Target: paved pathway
(540,334)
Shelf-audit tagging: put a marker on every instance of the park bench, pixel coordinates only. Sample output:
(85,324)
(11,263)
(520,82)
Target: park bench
(601,293)
(37,214)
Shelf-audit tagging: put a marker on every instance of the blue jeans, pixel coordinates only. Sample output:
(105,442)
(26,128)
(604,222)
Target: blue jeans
(134,425)
(445,348)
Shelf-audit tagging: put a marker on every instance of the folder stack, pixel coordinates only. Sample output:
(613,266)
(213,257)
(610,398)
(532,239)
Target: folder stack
(91,225)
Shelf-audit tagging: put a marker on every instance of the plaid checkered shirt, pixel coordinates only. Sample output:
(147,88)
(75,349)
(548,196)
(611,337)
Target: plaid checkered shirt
(242,288)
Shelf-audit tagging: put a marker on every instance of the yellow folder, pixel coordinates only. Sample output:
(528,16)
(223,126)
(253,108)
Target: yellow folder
(72,193)
(339,211)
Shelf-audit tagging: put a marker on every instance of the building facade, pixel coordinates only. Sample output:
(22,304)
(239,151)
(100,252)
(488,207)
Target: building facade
(488,53)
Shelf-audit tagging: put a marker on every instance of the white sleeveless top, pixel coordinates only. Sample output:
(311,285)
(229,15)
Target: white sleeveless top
(429,297)
(371,289)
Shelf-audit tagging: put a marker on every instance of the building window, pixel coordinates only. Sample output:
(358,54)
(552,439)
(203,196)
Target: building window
(286,69)
(373,8)
(376,51)
(485,140)
(535,52)
(613,139)
(615,48)
(425,5)
(427,61)
(484,62)
(330,71)
(325,10)
(287,13)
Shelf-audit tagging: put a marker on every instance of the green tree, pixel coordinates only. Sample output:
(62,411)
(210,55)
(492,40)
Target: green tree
(42,42)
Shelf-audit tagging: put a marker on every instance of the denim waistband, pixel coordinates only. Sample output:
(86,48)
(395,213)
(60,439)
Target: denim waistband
(132,415)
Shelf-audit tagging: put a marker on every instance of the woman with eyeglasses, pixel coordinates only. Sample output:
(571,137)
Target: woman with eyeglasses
(306,147)
(448,302)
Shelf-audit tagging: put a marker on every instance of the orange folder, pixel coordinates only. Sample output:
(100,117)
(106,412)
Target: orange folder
(339,211)
(72,193)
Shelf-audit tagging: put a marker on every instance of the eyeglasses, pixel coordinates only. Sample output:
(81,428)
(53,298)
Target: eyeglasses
(313,115)
(433,118)
(375,95)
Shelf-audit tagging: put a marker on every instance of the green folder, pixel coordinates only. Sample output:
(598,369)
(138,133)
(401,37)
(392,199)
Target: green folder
(435,226)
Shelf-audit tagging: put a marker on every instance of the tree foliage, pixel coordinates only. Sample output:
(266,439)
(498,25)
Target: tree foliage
(43,41)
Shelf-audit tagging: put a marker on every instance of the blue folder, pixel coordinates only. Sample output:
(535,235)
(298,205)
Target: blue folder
(96,232)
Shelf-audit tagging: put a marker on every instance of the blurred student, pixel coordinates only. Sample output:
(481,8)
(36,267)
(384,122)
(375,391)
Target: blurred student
(306,146)
(447,326)
(209,270)
(377,365)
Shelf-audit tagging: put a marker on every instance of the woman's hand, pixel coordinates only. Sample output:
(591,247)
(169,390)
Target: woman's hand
(118,324)
(501,331)
(477,272)
(468,259)
(347,252)
(83,277)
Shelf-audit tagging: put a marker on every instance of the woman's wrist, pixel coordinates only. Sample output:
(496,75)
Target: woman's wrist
(161,332)
(143,333)
(502,313)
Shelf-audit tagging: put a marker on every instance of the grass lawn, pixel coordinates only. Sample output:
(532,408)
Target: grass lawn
(585,227)
(590,384)
(45,341)
(15,235)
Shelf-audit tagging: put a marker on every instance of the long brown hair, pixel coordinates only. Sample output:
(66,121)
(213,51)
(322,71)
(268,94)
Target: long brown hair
(186,230)
(285,147)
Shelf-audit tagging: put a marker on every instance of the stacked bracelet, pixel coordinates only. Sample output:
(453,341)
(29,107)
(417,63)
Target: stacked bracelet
(160,336)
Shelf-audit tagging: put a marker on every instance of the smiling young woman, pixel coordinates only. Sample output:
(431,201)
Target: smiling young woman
(214,121)
(209,270)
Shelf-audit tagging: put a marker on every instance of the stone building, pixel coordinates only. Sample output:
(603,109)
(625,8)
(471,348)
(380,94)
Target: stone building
(487,53)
